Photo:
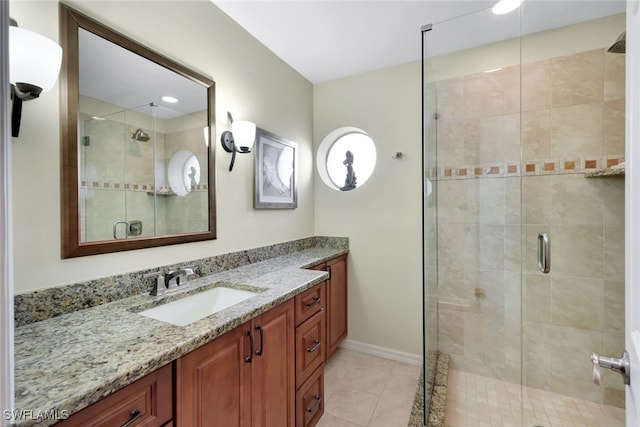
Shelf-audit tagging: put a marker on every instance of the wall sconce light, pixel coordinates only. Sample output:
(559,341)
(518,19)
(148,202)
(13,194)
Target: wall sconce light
(239,139)
(34,65)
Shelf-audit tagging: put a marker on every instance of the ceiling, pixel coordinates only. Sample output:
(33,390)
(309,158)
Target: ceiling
(126,80)
(328,40)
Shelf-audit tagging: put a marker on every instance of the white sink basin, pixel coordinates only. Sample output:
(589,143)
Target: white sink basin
(195,307)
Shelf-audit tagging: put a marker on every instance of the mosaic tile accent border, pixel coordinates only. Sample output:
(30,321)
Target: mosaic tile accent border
(525,168)
(108,185)
(51,302)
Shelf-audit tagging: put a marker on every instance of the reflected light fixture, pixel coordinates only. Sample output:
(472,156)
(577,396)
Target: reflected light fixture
(169,99)
(205,133)
(506,6)
(34,65)
(239,139)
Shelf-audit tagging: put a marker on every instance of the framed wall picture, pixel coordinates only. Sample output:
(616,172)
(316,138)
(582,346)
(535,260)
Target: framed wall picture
(275,172)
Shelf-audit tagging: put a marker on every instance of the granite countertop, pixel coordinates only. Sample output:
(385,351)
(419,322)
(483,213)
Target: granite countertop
(68,362)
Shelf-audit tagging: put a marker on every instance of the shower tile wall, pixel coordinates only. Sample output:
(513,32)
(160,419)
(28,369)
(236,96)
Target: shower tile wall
(116,173)
(572,121)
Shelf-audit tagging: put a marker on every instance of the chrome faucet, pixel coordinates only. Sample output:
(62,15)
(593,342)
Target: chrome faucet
(176,275)
(169,281)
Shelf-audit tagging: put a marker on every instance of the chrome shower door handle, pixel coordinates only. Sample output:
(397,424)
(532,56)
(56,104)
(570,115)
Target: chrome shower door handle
(544,253)
(620,364)
(115,229)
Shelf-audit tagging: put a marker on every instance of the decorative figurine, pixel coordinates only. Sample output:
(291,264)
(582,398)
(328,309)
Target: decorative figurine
(351,180)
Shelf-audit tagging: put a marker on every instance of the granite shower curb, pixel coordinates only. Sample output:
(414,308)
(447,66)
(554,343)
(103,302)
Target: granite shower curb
(435,416)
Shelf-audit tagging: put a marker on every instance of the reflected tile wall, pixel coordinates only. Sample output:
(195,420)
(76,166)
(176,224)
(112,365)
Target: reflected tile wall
(503,176)
(117,175)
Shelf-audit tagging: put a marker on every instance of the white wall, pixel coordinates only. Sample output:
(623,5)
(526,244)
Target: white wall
(251,83)
(383,217)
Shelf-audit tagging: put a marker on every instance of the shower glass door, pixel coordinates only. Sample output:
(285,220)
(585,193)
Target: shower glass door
(143,171)
(120,157)
(573,129)
(430,236)
(472,219)
(523,114)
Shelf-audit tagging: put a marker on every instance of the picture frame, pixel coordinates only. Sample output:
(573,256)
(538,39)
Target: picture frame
(275,172)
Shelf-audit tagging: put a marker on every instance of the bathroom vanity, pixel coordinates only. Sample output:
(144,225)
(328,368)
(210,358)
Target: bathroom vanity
(257,363)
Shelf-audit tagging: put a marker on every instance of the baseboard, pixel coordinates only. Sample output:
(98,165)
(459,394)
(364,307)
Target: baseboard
(386,353)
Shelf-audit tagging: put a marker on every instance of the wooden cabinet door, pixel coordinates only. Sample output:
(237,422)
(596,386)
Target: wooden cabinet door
(336,303)
(213,383)
(273,368)
(146,402)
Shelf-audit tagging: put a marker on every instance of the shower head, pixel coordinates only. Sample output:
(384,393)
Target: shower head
(140,135)
(620,44)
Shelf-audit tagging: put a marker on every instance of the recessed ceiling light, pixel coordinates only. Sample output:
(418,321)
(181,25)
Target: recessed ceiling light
(169,99)
(505,6)
(98,118)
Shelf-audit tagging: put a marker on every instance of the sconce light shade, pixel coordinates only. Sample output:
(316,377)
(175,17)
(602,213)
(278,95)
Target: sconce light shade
(244,135)
(239,139)
(33,59)
(34,65)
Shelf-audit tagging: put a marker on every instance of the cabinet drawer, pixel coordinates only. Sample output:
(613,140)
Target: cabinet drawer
(310,302)
(311,344)
(147,402)
(310,400)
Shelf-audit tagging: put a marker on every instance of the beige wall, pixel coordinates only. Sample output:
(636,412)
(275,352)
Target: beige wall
(251,83)
(382,217)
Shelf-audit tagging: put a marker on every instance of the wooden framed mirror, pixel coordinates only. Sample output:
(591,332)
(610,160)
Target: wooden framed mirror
(137,167)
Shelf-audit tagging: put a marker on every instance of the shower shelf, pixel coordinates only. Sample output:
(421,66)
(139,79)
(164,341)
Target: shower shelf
(605,173)
(159,193)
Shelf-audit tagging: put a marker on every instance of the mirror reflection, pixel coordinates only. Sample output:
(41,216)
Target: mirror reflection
(139,154)
(142,144)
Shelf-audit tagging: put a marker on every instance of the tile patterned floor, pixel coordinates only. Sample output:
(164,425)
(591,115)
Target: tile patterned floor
(367,391)
(477,401)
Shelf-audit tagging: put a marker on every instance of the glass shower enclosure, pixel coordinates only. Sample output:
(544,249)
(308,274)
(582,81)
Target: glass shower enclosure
(142,171)
(522,116)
